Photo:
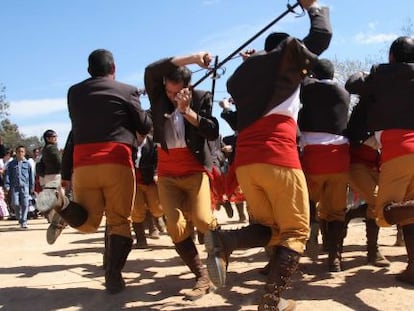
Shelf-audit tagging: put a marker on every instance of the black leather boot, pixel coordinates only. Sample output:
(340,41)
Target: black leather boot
(395,213)
(375,258)
(106,248)
(335,241)
(312,245)
(140,235)
(220,244)
(119,248)
(189,254)
(282,266)
(407,276)
(74,214)
(240,211)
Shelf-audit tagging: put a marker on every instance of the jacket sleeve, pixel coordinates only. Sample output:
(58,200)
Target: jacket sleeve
(7,178)
(230,117)
(154,77)
(67,158)
(320,33)
(141,119)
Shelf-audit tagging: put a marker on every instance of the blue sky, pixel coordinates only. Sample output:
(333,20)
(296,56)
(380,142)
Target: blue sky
(45,43)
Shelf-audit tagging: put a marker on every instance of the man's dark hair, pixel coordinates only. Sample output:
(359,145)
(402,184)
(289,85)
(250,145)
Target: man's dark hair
(402,49)
(181,74)
(101,63)
(20,147)
(48,133)
(323,69)
(274,39)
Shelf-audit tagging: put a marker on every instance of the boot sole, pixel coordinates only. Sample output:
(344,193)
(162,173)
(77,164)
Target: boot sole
(212,288)
(216,271)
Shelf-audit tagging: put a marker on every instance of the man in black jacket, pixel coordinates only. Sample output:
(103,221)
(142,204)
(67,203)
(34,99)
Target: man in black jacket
(390,90)
(325,158)
(182,125)
(105,116)
(265,89)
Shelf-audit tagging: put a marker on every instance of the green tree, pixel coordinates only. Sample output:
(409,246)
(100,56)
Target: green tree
(10,131)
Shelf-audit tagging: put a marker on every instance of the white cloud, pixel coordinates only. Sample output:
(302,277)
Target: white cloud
(32,108)
(367,38)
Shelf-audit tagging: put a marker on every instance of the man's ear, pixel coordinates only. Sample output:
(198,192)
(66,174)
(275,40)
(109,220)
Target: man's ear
(112,69)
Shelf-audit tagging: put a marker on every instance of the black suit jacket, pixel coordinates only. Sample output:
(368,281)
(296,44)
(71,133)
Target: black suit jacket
(103,110)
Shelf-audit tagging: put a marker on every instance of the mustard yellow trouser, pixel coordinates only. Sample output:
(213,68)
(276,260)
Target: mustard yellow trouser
(396,184)
(186,198)
(108,188)
(278,198)
(329,192)
(364,180)
(146,197)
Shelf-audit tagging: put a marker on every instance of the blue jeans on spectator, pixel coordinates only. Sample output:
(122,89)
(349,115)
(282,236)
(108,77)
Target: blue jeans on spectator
(20,201)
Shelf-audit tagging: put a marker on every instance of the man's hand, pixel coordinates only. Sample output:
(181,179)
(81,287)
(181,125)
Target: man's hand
(247,53)
(183,100)
(203,59)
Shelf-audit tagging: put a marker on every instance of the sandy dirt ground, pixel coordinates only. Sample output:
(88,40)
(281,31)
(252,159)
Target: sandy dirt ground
(68,275)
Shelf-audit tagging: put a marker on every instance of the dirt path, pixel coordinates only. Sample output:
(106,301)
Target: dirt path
(67,276)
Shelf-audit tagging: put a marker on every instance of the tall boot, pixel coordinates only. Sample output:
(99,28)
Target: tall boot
(160,224)
(106,248)
(335,241)
(283,265)
(189,254)
(140,235)
(119,248)
(240,211)
(395,213)
(228,208)
(407,276)
(269,250)
(312,246)
(153,231)
(375,258)
(220,244)
(323,227)
(74,214)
